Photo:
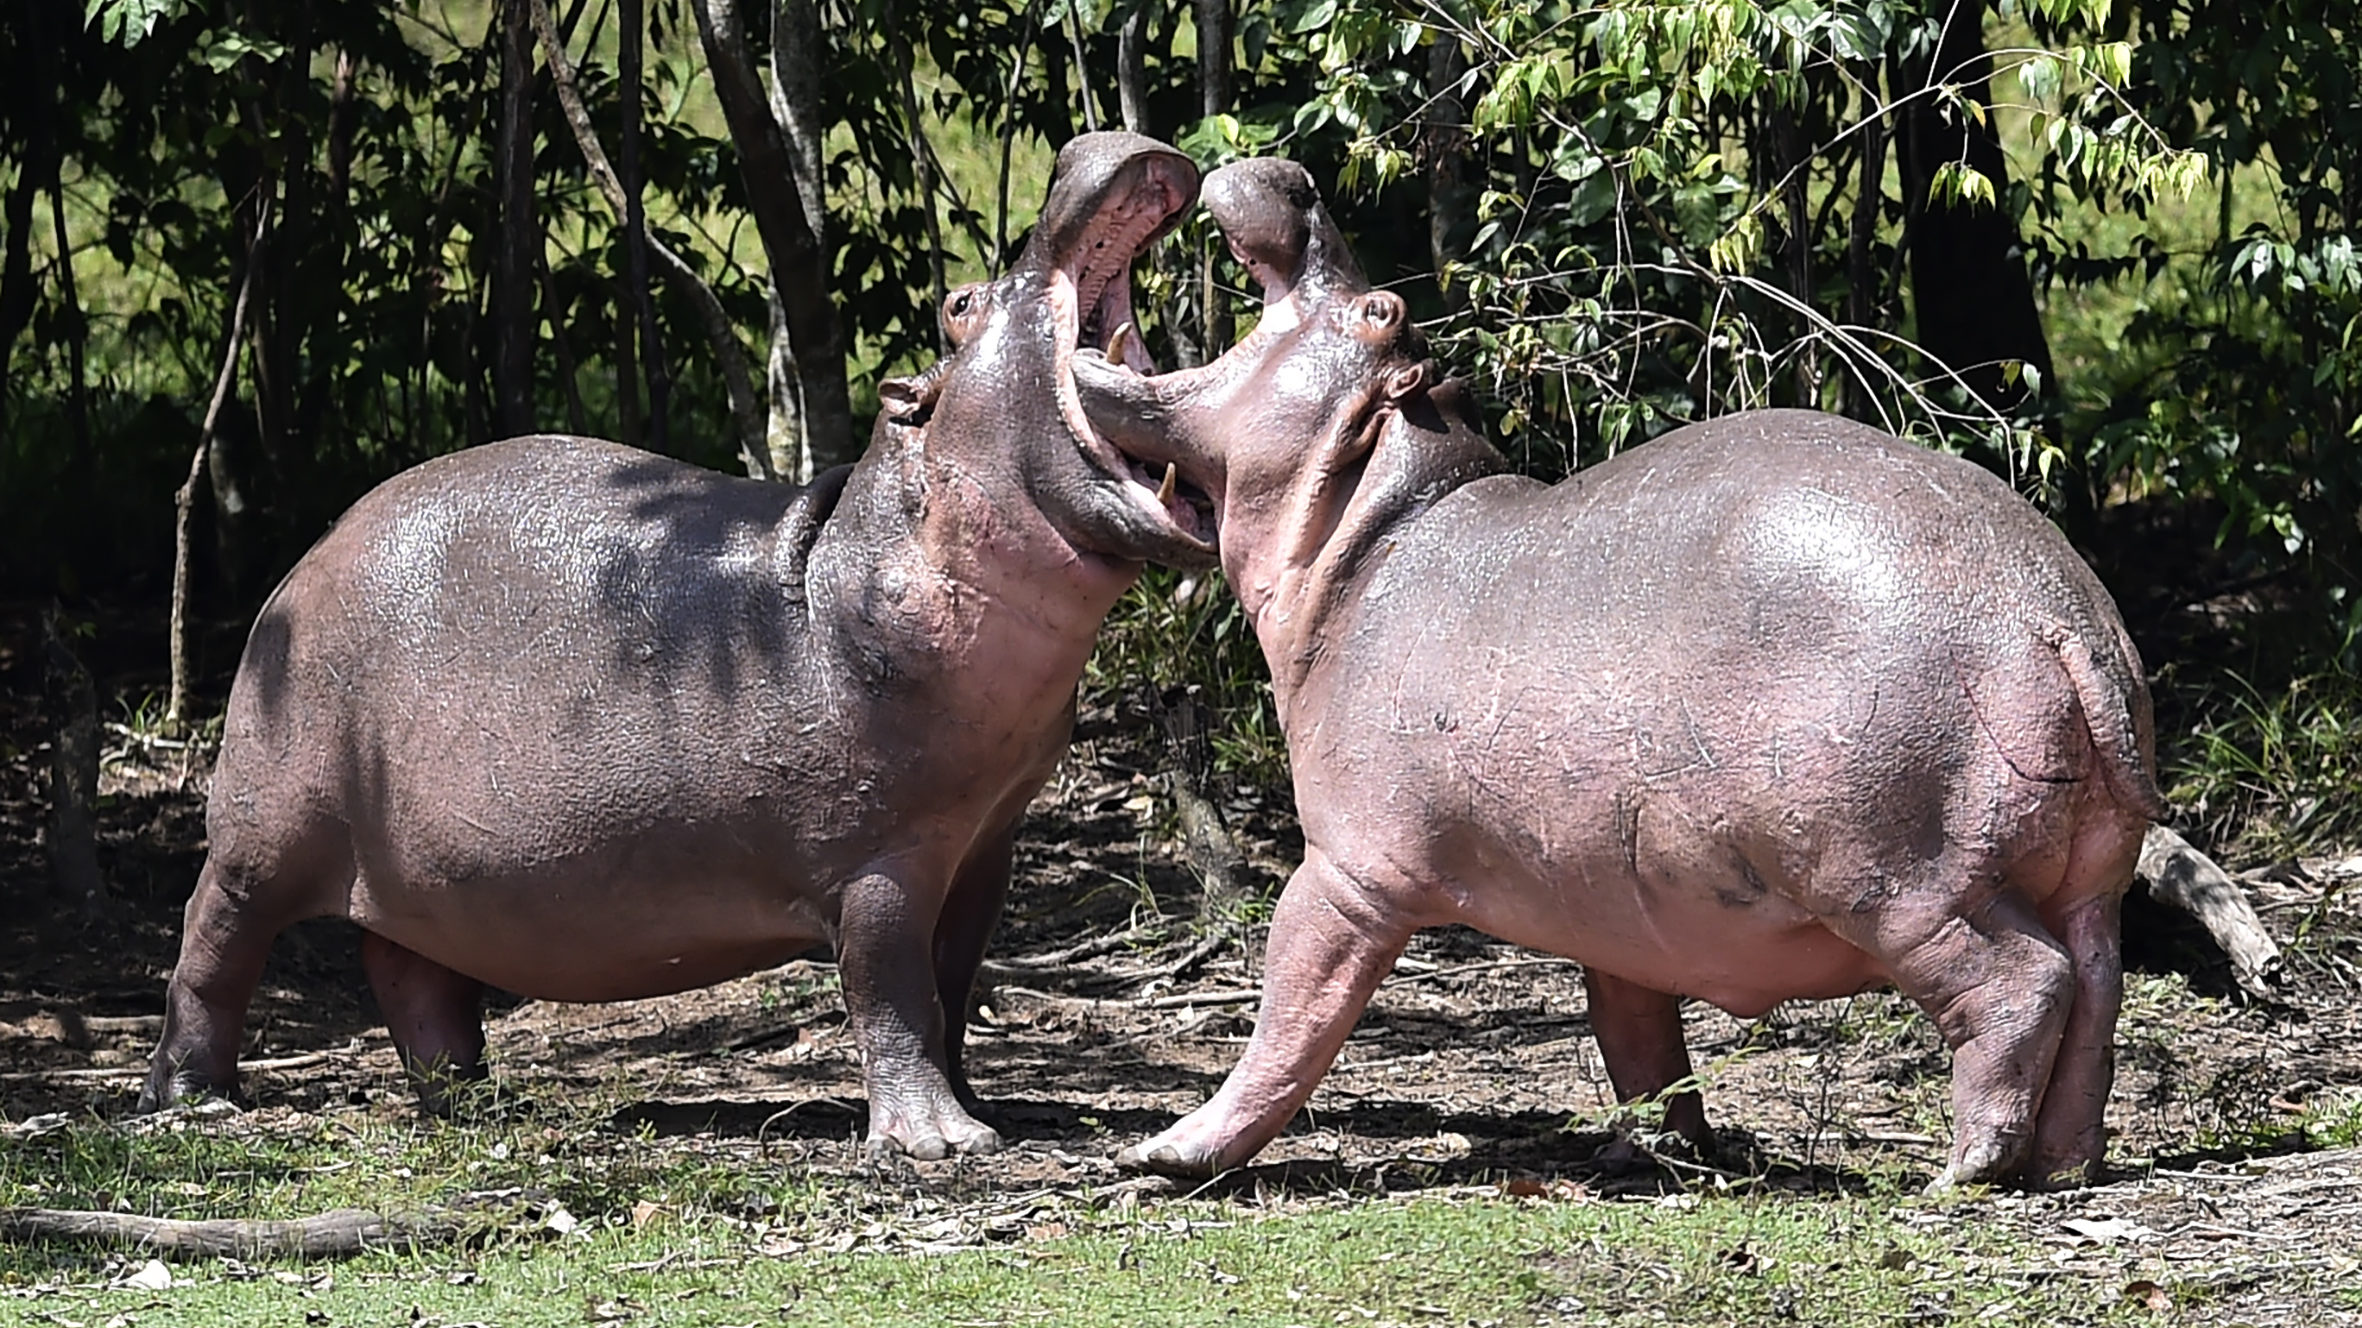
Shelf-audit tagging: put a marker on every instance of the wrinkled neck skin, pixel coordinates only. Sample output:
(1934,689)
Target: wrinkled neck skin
(1299,565)
(947,573)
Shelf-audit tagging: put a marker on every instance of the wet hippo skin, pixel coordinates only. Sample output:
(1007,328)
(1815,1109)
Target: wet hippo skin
(588,724)
(1776,706)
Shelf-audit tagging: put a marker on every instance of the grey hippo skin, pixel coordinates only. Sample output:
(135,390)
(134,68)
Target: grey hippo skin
(587,724)
(1773,707)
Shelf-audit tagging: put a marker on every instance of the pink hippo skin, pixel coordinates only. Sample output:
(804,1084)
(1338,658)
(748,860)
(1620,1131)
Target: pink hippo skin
(589,724)
(1773,707)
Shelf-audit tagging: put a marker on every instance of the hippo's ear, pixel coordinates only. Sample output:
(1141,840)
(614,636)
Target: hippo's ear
(909,401)
(1406,380)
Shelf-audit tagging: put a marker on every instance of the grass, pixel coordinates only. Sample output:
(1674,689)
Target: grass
(2275,773)
(675,1232)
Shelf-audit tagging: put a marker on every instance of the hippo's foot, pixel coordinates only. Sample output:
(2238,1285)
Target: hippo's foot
(1987,1158)
(1181,1152)
(446,1091)
(928,1133)
(184,1086)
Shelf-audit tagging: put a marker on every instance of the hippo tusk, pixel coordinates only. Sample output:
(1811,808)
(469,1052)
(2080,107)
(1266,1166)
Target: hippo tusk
(1115,343)
(1164,492)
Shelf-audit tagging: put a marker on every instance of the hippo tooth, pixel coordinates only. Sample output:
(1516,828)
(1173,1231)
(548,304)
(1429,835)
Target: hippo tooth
(1164,492)
(1115,343)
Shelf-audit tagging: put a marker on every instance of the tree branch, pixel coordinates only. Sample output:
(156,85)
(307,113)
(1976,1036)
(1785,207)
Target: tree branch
(799,266)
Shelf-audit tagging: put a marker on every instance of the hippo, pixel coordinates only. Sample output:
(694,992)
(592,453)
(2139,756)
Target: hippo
(580,722)
(1773,707)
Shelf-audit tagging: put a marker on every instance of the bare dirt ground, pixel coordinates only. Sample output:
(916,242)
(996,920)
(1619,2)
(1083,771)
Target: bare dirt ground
(1108,1013)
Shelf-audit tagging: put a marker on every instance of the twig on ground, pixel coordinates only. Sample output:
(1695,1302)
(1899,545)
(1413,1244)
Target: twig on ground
(308,1058)
(1089,947)
(339,1234)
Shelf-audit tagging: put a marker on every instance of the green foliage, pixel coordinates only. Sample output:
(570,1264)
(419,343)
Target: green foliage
(2281,770)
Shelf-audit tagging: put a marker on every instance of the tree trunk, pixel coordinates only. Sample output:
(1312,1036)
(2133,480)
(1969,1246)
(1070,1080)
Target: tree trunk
(569,371)
(1443,140)
(1131,69)
(184,500)
(799,265)
(745,408)
(520,234)
(73,772)
(16,276)
(795,105)
(1862,295)
(635,225)
(1973,300)
(1788,153)
(1082,70)
(82,468)
(31,84)
(1213,92)
(923,166)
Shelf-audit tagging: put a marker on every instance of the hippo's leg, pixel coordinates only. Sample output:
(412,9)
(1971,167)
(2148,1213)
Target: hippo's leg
(1999,988)
(885,946)
(1639,1036)
(2070,1137)
(224,938)
(1331,943)
(961,934)
(434,1015)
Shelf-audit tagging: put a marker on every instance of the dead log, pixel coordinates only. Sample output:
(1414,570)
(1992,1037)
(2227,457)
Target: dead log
(2178,874)
(338,1234)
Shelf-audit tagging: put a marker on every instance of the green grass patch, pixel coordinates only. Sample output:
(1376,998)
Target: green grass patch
(672,1231)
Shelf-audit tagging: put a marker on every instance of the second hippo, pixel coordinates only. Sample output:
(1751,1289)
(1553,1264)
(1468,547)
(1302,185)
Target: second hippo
(1776,706)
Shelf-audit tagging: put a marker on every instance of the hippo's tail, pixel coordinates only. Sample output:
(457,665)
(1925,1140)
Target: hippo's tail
(2116,713)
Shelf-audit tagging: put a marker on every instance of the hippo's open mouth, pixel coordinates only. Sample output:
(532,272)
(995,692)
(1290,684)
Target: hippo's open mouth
(1091,293)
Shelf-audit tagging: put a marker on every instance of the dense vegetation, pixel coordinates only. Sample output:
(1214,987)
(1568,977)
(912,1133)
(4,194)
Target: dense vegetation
(2108,249)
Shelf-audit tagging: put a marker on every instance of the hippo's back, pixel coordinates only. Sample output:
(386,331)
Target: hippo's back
(1746,647)
(508,657)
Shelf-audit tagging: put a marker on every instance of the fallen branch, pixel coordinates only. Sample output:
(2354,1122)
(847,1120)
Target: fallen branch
(339,1234)
(2180,875)
(1088,948)
(308,1058)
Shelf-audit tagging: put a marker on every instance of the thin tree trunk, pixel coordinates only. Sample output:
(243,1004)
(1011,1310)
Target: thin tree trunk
(1000,224)
(1213,89)
(520,235)
(16,275)
(635,226)
(745,408)
(1082,72)
(795,105)
(1131,68)
(1862,295)
(1788,154)
(72,831)
(923,165)
(1973,300)
(77,329)
(184,500)
(1444,140)
(577,418)
(799,264)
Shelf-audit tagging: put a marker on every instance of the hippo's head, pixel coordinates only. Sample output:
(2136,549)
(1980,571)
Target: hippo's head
(1003,403)
(1280,431)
